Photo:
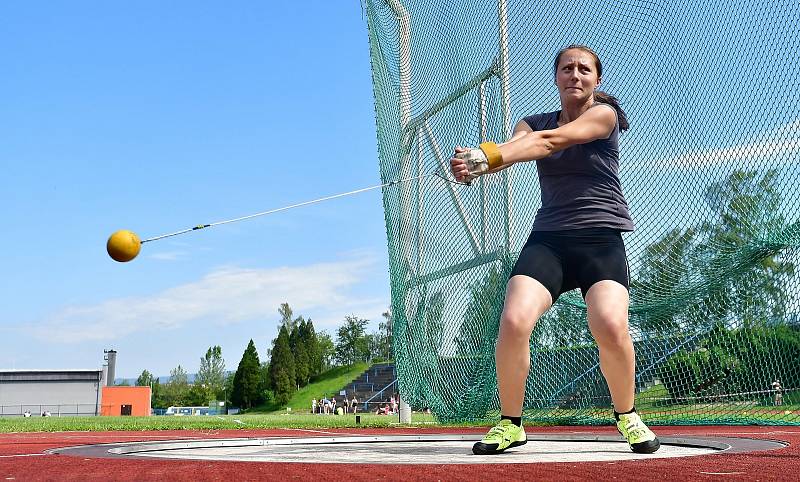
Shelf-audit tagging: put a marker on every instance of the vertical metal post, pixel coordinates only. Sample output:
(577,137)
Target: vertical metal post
(483,138)
(404,59)
(505,107)
(420,215)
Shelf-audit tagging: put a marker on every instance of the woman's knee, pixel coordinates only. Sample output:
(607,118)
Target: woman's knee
(516,324)
(526,300)
(610,331)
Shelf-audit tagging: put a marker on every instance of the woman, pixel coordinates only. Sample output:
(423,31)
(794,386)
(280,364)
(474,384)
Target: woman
(575,242)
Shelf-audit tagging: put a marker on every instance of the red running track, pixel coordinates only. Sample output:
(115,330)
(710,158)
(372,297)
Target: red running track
(23,457)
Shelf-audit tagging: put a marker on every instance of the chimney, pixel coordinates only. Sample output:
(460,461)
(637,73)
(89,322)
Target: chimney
(111,358)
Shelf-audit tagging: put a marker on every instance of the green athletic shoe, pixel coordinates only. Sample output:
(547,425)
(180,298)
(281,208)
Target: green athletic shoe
(502,436)
(639,437)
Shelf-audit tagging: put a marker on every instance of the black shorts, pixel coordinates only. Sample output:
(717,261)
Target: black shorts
(578,258)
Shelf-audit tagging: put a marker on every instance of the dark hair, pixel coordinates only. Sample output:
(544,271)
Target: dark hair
(599,95)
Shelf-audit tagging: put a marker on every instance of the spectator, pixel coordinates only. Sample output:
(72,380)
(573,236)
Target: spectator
(27,413)
(393,402)
(354,404)
(333,404)
(776,386)
(313,405)
(326,407)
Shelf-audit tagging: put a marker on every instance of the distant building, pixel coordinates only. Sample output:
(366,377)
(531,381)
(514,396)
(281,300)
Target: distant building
(186,411)
(57,392)
(133,401)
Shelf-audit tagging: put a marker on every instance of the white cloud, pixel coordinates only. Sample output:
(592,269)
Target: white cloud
(779,145)
(225,296)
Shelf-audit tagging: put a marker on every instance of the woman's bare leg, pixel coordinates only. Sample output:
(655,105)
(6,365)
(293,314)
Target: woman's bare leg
(526,301)
(607,306)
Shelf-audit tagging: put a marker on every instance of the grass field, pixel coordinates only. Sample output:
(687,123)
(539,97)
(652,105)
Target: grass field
(718,416)
(62,424)
(326,384)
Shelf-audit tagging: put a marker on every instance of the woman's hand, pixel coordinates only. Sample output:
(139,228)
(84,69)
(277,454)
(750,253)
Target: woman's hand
(469,163)
(458,165)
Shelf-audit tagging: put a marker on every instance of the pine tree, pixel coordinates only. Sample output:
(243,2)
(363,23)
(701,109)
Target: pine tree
(157,395)
(282,367)
(246,381)
(309,336)
(300,351)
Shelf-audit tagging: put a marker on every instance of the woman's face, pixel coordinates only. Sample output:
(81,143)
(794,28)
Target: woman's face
(576,76)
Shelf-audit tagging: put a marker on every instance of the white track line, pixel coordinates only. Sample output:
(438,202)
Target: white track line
(722,473)
(315,431)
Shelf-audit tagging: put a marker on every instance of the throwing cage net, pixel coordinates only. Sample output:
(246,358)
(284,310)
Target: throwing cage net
(709,168)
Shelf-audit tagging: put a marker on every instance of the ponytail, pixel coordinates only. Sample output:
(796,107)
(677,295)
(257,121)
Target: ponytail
(606,98)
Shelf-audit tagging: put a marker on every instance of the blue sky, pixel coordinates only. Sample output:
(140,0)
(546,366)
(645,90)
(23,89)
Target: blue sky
(161,116)
(158,117)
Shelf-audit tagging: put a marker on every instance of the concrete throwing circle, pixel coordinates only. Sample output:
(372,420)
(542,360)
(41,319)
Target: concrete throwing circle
(415,449)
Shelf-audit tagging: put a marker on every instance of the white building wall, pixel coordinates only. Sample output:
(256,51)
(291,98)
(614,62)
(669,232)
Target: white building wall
(60,393)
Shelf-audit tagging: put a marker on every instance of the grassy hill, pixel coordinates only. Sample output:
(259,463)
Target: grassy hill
(325,384)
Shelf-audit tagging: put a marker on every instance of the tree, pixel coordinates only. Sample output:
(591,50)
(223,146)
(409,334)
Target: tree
(286,317)
(282,368)
(327,350)
(374,345)
(145,379)
(198,395)
(178,376)
(385,331)
(176,390)
(720,272)
(483,309)
(747,207)
(665,272)
(227,391)
(434,327)
(211,376)
(246,382)
(158,396)
(300,351)
(309,338)
(351,341)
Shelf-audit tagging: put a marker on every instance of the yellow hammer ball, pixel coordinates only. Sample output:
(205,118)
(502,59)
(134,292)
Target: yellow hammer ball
(123,245)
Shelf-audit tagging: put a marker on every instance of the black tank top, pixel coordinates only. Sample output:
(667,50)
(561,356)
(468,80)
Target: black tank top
(580,184)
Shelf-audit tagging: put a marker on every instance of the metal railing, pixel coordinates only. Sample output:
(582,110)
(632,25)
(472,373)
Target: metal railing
(378,394)
(50,410)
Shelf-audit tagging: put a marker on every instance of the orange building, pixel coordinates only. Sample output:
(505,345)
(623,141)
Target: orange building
(125,401)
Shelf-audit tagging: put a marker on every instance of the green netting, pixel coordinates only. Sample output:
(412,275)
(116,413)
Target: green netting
(709,168)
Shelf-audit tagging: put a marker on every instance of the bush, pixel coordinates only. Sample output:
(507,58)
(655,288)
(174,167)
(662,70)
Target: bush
(742,361)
